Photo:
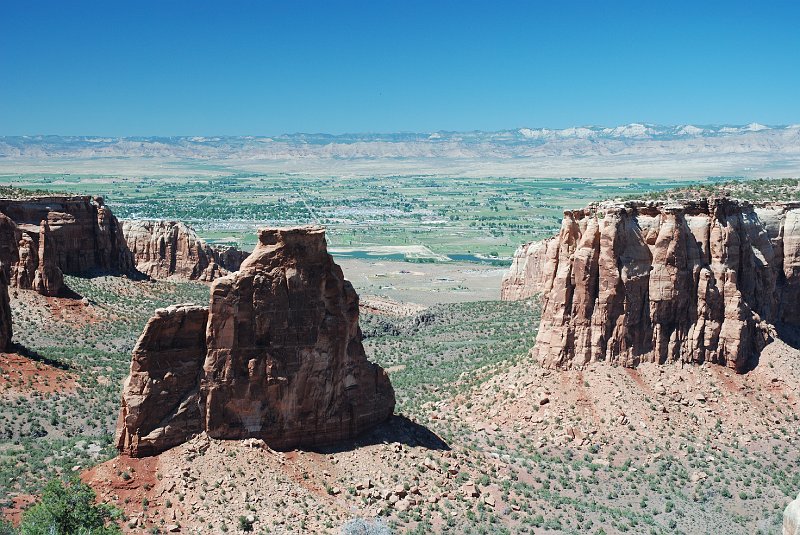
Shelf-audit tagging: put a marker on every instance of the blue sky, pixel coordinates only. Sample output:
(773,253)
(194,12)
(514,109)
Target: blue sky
(229,68)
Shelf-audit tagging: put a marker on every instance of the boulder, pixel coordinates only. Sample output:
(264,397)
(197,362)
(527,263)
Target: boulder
(279,358)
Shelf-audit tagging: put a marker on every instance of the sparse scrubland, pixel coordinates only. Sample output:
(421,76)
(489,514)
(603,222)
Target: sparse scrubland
(484,441)
(761,190)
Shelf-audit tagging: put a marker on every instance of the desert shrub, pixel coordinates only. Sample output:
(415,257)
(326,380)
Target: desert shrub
(6,527)
(359,526)
(69,509)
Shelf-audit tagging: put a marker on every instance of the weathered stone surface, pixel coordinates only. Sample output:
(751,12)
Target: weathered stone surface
(48,279)
(161,400)
(529,268)
(791,518)
(163,249)
(5,312)
(23,272)
(230,258)
(697,281)
(81,235)
(285,361)
(282,358)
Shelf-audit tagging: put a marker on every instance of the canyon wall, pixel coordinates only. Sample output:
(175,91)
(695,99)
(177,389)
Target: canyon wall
(635,282)
(277,355)
(526,277)
(5,313)
(42,238)
(163,249)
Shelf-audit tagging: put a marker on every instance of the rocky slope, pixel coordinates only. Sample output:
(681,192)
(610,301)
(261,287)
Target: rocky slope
(163,249)
(277,356)
(42,238)
(640,281)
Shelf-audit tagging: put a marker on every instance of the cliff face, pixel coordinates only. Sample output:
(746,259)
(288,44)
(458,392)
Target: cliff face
(162,249)
(161,404)
(277,356)
(526,277)
(653,282)
(41,238)
(5,313)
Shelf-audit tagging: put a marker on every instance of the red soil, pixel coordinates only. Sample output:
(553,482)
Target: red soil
(23,375)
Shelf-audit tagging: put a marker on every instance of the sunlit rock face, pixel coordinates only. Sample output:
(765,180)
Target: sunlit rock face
(161,405)
(527,275)
(278,357)
(639,282)
(164,249)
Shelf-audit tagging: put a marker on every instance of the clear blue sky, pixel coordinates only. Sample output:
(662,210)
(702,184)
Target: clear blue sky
(233,67)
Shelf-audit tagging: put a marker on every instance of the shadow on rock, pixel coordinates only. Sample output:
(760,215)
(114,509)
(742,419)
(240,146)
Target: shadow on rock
(789,334)
(95,273)
(395,429)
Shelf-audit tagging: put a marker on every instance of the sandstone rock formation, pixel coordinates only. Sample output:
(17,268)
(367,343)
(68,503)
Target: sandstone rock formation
(5,312)
(526,277)
(162,249)
(694,282)
(41,238)
(279,357)
(161,405)
(48,279)
(791,518)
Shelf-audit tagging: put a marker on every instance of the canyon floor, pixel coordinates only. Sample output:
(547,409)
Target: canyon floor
(484,441)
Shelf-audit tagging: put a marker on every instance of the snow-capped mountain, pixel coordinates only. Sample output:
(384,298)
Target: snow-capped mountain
(636,139)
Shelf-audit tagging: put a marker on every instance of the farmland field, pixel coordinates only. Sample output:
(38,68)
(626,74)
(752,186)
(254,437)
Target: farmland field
(415,218)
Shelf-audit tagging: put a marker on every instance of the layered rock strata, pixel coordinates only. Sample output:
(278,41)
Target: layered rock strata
(163,249)
(278,357)
(653,282)
(526,277)
(161,403)
(42,238)
(5,312)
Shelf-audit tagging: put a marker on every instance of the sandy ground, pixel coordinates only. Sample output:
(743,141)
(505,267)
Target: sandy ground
(424,284)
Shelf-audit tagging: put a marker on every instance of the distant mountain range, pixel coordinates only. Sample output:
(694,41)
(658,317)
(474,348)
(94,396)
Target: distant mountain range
(637,140)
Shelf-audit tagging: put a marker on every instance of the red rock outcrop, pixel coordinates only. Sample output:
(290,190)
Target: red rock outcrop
(161,401)
(41,238)
(526,277)
(279,358)
(49,279)
(163,249)
(654,282)
(5,312)
(230,258)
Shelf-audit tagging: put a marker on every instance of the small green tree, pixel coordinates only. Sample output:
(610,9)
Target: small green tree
(68,509)
(6,527)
